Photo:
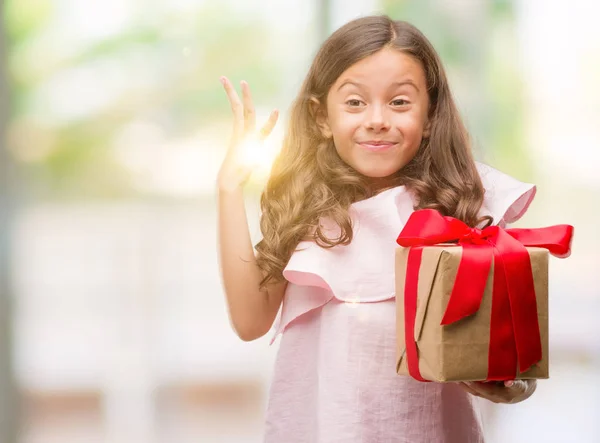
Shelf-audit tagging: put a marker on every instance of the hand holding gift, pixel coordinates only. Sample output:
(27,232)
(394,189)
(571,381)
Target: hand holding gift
(510,392)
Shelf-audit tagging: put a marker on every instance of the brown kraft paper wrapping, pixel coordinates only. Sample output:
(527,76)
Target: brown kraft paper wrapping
(459,351)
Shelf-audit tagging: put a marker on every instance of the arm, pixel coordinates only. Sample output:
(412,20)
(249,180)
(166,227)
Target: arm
(252,310)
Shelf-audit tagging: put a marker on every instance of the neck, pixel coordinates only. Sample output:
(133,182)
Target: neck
(379,184)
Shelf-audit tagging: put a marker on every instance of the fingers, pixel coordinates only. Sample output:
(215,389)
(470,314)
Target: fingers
(484,389)
(467,387)
(245,150)
(501,393)
(236,107)
(488,391)
(529,387)
(269,125)
(521,389)
(245,113)
(249,112)
(511,391)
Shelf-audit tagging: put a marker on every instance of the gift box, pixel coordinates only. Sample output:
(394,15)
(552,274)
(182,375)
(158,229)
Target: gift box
(475,308)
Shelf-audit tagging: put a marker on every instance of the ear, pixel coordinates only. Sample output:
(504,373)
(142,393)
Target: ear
(427,129)
(319,113)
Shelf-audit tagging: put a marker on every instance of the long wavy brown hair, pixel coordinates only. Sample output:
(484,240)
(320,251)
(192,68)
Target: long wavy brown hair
(309,180)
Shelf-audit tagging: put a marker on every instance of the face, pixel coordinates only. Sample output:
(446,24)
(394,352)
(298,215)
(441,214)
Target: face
(377,113)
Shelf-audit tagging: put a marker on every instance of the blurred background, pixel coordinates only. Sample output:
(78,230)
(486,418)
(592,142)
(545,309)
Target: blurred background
(113,123)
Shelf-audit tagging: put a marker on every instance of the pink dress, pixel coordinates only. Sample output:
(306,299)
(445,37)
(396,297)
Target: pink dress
(334,378)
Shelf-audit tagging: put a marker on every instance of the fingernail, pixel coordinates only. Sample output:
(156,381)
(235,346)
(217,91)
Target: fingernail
(222,79)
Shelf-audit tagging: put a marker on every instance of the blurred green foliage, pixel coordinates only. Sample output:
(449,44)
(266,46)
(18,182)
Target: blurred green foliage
(184,53)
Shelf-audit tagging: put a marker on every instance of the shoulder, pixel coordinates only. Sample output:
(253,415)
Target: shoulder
(506,198)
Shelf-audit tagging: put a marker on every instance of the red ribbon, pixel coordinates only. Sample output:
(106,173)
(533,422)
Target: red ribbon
(514,329)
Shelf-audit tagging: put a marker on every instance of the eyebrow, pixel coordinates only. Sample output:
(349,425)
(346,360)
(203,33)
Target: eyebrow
(395,84)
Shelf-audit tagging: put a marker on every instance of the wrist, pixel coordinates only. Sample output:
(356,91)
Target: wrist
(226,184)
(229,189)
(231,181)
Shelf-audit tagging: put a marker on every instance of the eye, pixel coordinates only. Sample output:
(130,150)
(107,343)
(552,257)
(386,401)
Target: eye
(400,102)
(354,102)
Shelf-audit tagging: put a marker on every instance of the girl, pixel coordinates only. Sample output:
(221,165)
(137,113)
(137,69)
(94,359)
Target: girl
(373,135)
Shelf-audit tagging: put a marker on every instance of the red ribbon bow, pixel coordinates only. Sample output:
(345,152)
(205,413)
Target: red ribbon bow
(514,329)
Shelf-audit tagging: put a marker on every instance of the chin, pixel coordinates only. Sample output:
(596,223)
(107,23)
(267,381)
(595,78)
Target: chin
(377,173)
(377,167)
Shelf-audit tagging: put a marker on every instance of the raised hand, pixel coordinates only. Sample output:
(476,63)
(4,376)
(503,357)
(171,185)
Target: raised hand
(235,169)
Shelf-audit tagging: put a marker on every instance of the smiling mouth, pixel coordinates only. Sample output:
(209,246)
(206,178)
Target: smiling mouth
(377,146)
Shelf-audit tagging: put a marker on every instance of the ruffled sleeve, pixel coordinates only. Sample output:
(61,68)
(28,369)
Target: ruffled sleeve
(299,300)
(506,198)
(360,272)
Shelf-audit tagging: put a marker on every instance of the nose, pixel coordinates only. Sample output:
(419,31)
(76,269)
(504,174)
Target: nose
(377,119)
